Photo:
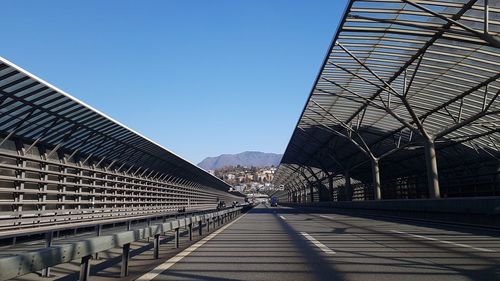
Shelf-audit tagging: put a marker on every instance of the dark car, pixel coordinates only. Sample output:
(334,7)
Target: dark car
(274,201)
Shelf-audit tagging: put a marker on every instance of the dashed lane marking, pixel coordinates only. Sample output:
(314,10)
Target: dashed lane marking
(318,244)
(444,241)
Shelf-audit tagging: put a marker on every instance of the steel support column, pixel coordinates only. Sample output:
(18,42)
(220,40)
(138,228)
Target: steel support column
(432,170)
(377,193)
(348,187)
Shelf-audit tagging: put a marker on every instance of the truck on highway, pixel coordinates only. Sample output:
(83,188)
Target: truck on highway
(274,201)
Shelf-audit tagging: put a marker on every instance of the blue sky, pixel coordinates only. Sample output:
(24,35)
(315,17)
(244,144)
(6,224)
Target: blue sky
(201,78)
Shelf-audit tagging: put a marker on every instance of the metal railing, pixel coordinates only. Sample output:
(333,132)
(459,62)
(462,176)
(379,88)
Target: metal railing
(42,259)
(36,191)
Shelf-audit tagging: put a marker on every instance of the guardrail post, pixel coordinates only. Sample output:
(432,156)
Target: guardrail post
(156,252)
(125,258)
(149,224)
(85,268)
(98,232)
(129,225)
(177,238)
(190,226)
(48,243)
(200,228)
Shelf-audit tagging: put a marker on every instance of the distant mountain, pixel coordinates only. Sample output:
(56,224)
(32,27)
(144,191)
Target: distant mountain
(247,158)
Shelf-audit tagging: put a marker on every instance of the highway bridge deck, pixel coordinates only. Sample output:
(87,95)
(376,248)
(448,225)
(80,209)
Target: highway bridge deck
(290,244)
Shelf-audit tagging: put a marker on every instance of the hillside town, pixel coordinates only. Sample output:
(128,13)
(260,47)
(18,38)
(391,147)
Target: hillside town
(247,179)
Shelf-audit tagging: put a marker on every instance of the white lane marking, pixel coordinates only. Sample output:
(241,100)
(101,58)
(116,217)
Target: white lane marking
(326,217)
(444,241)
(282,217)
(172,261)
(318,244)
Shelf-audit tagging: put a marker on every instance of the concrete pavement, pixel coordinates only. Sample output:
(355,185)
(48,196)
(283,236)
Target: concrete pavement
(291,244)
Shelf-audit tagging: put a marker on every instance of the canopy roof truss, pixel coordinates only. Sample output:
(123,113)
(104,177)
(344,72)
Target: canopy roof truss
(401,74)
(42,114)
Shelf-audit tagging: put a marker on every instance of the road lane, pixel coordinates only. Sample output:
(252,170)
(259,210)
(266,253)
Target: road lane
(269,244)
(260,246)
(444,241)
(367,249)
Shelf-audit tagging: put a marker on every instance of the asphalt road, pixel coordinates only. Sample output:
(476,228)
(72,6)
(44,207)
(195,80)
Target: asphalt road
(291,244)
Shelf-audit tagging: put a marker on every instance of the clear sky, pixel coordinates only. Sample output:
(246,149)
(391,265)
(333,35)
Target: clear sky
(202,78)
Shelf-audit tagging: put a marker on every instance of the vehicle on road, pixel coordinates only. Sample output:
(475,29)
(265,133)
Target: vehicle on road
(274,201)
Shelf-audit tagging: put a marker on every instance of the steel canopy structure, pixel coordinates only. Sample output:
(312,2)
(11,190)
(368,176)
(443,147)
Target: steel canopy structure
(60,160)
(405,106)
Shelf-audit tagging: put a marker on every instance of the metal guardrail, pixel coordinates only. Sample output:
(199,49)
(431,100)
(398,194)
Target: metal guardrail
(97,222)
(21,264)
(477,211)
